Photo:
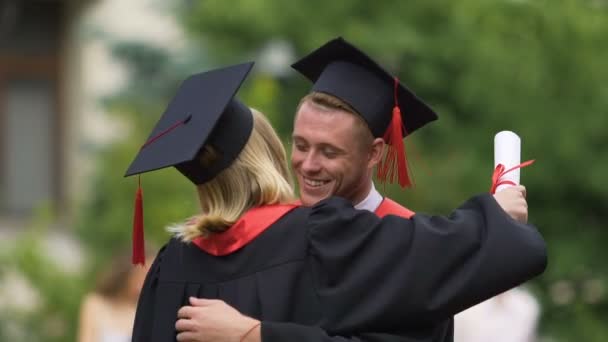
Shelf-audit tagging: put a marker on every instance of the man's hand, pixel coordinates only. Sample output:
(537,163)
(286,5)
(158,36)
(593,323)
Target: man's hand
(212,320)
(513,201)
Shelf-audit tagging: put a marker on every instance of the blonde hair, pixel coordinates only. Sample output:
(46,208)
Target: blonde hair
(258,176)
(328,103)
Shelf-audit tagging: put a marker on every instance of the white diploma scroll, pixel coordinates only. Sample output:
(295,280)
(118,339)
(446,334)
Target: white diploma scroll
(507,151)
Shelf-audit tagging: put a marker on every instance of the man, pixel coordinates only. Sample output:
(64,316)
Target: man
(334,152)
(340,130)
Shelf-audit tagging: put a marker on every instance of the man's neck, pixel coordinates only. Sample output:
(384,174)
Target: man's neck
(371,202)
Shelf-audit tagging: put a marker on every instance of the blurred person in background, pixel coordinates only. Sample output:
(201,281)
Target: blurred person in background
(107,313)
(509,317)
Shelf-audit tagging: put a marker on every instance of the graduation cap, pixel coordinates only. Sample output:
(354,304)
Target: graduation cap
(389,108)
(203,112)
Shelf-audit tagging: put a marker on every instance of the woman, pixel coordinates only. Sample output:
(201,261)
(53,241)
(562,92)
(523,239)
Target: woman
(107,313)
(275,261)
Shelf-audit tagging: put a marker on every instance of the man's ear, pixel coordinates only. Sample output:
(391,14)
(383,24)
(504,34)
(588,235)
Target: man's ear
(376,152)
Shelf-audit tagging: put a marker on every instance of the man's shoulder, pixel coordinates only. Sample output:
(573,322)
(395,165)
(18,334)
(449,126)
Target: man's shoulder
(390,207)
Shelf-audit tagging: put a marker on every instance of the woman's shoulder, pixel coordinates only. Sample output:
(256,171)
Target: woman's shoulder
(93,302)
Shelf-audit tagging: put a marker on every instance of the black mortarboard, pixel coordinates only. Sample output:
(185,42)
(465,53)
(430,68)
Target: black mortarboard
(340,69)
(204,111)
(390,109)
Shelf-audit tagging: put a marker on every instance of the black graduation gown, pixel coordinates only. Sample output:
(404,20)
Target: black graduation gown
(349,275)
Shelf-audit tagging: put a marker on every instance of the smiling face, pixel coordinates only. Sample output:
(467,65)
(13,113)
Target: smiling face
(333,153)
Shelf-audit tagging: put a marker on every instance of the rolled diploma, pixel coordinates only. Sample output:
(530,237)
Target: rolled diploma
(507,151)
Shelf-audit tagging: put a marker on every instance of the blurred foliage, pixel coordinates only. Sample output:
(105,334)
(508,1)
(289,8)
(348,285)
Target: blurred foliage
(536,67)
(40,297)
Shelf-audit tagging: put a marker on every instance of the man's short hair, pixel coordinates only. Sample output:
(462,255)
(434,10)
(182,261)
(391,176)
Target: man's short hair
(329,102)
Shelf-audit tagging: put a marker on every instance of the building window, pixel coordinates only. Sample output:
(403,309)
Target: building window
(30,120)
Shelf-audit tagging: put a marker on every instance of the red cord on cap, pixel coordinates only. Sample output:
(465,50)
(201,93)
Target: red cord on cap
(139,254)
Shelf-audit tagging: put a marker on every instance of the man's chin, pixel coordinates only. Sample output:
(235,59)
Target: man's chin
(310,200)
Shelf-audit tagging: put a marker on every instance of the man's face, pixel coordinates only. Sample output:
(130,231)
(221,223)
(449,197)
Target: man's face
(327,155)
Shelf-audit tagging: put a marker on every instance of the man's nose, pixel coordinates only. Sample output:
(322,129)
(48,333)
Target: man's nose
(310,163)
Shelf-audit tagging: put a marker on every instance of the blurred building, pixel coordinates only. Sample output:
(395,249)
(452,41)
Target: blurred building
(38,80)
(54,67)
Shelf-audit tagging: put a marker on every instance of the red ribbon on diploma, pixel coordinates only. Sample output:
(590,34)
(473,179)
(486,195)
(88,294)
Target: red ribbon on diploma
(500,171)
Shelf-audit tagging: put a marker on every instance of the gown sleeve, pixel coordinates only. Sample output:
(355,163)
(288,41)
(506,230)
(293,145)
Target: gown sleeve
(377,274)
(283,331)
(144,316)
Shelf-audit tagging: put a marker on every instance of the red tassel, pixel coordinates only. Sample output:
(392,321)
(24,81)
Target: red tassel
(138,256)
(395,160)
